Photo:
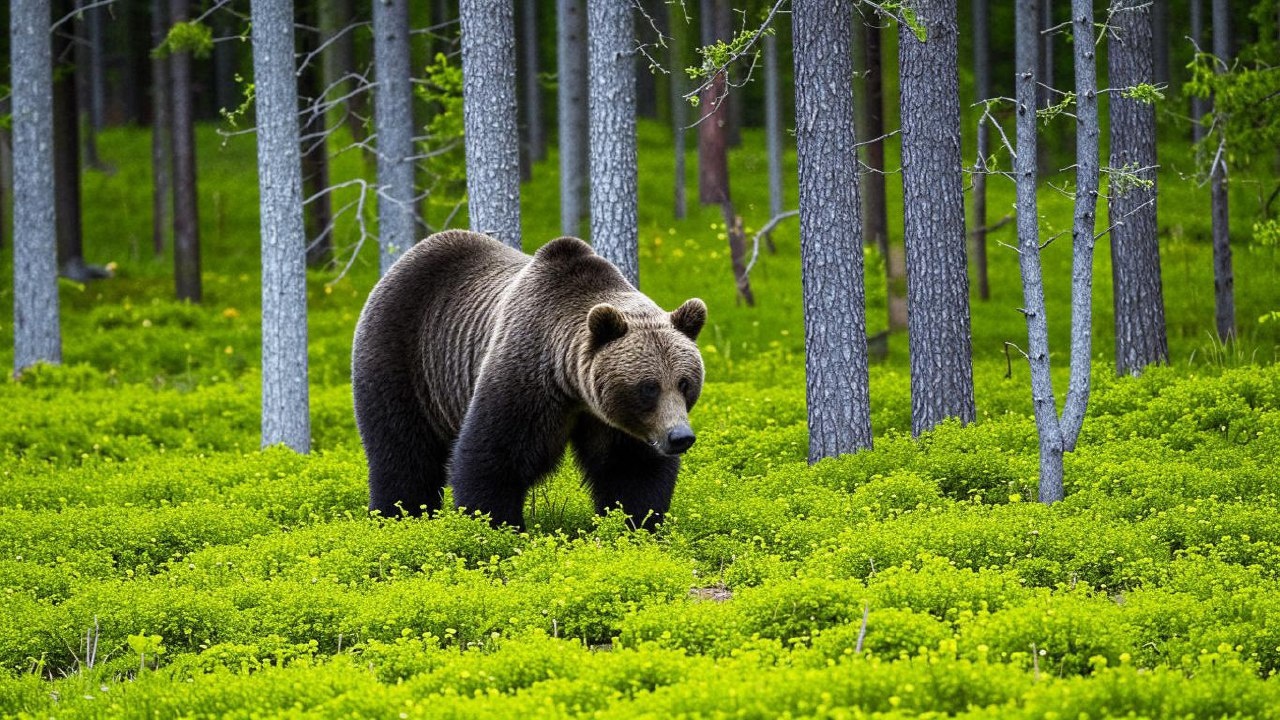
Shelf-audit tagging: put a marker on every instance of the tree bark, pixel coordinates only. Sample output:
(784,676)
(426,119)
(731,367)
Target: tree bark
(1199,105)
(1047,427)
(612,103)
(161,131)
(285,407)
(532,83)
(318,207)
(875,208)
(836,375)
(679,106)
(933,220)
(6,168)
(89,77)
(571,101)
(226,91)
(186,226)
(1223,275)
(982,91)
(713,110)
(489,115)
(36,334)
(1160,41)
(393,118)
(1135,247)
(66,146)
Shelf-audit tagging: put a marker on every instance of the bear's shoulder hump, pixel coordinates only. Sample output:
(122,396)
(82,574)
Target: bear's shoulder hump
(563,249)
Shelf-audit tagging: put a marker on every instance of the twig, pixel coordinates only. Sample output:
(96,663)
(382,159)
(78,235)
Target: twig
(755,239)
(862,631)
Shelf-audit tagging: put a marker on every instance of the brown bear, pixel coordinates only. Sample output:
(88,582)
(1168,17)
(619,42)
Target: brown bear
(477,364)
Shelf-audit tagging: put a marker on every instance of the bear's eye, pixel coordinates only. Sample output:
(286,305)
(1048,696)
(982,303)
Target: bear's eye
(647,392)
(683,386)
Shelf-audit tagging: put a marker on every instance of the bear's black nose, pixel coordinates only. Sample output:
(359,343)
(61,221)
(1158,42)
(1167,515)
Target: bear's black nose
(680,439)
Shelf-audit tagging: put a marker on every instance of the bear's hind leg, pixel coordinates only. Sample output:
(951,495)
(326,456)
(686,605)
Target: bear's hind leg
(406,460)
(621,470)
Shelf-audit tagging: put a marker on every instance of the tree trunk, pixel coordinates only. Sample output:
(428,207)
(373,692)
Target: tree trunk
(1223,275)
(875,208)
(134,79)
(773,123)
(226,91)
(90,74)
(532,83)
(66,146)
(612,103)
(161,131)
(285,409)
(6,167)
(186,227)
(836,375)
(933,220)
(1199,105)
(1046,79)
(36,335)
(318,206)
(646,82)
(679,105)
(1135,247)
(713,141)
(1047,427)
(1084,222)
(489,115)
(982,91)
(1160,41)
(571,102)
(393,118)
(339,58)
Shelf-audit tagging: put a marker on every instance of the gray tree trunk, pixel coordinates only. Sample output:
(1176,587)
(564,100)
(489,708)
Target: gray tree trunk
(773,123)
(66,145)
(1047,426)
(875,208)
(1223,276)
(1082,231)
(89,78)
(679,106)
(1160,41)
(982,91)
(393,119)
(285,409)
(532,83)
(1135,247)
(186,224)
(161,131)
(6,168)
(1199,105)
(612,102)
(36,335)
(571,60)
(489,114)
(1046,54)
(933,220)
(836,376)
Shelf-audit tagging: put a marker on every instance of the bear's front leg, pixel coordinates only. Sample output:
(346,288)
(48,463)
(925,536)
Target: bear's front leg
(624,471)
(513,436)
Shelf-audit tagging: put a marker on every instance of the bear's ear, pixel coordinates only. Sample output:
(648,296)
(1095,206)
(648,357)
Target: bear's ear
(606,324)
(690,317)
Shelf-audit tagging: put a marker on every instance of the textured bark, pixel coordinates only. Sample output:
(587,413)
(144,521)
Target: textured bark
(1135,249)
(713,114)
(933,220)
(66,144)
(612,102)
(393,119)
(571,99)
(836,377)
(318,210)
(773,123)
(161,131)
(285,413)
(1085,216)
(36,335)
(1047,426)
(982,91)
(532,83)
(875,208)
(489,115)
(679,106)
(1199,105)
(186,225)
(1223,275)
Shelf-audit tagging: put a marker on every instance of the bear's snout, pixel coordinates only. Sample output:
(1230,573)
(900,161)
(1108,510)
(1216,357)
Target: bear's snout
(679,439)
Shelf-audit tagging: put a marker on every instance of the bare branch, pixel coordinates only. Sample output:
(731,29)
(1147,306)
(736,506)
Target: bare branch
(755,239)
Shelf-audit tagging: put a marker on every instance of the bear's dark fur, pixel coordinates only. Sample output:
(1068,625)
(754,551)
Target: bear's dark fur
(476,364)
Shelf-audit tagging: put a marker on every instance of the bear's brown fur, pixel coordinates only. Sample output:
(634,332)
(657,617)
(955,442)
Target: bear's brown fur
(476,364)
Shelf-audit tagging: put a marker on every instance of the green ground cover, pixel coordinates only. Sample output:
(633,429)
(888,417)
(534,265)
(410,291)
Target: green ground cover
(221,580)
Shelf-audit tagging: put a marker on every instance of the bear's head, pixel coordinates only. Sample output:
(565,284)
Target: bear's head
(645,372)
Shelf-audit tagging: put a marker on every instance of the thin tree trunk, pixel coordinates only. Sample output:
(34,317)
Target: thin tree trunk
(285,407)
(933,220)
(875,208)
(161,131)
(393,117)
(335,16)
(6,167)
(186,227)
(612,102)
(134,67)
(66,147)
(1085,216)
(90,75)
(679,106)
(489,115)
(571,100)
(318,208)
(36,335)
(836,375)
(227,93)
(773,123)
(982,90)
(1160,41)
(1046,73)
(532,83)
(1223,275)
(1199,105)
(713,141)
(646,82)
(1135,248)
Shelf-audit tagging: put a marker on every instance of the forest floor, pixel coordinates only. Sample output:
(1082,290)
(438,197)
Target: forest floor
(153,560)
